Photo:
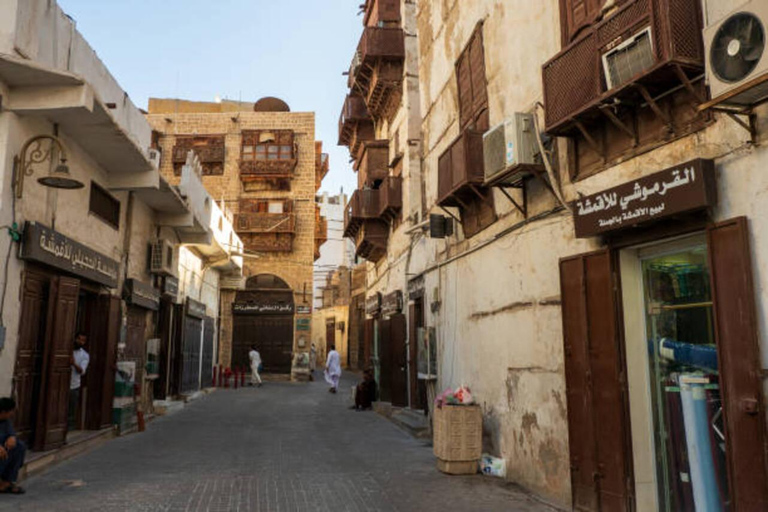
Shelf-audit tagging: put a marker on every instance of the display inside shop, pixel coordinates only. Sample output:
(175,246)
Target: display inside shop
(685,388)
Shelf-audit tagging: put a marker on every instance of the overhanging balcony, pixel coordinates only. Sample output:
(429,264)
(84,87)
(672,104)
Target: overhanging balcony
(382,13)
(390,198)
(256,170)
(377,69)
(371,240)
(353,113)
(362,206)
(373,164)
(460,171)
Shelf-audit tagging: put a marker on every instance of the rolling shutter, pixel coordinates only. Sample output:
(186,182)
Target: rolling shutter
(598,425)
(737,343)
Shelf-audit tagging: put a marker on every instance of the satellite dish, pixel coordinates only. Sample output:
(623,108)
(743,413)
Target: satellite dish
(737,47)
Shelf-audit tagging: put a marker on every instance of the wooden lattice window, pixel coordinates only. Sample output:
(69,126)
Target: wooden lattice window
(268,145)
(210,149)
(575,15)
(472,84)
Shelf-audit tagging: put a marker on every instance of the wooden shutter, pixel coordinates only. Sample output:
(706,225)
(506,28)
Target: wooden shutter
(737,343)
(385,360)
(577,14)
(102,347)
(29,356)
(472,86)
(62,320)
(398,332)
(594,368)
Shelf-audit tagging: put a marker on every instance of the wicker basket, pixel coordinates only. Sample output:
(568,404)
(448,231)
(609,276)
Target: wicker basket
(458,433)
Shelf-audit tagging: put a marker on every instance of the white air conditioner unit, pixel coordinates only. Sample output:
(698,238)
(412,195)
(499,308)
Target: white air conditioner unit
(154,157)
(737,55)
(163,258)
(510,147)
(628,59)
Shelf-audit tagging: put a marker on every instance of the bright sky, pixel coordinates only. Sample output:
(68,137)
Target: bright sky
(237,49)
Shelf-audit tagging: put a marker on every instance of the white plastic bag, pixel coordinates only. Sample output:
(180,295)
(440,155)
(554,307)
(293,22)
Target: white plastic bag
(493,466)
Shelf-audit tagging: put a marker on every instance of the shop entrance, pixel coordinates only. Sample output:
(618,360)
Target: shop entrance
(264,316)
(676,409)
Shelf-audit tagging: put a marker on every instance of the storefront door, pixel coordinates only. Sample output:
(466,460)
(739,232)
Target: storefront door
(209,349)
(190,354)
(665,413)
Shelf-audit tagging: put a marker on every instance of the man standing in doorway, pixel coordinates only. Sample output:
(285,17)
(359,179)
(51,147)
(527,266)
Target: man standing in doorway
(79,362)
(333,369)
(255,359)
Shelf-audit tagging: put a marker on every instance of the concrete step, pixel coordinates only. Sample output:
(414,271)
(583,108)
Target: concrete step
(79,443)
(414,422)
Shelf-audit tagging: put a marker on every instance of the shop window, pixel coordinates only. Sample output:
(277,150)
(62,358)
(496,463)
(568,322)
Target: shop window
(472,84)
(104,206)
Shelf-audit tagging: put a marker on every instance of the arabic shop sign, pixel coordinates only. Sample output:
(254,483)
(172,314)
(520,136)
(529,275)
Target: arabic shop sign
(142,295)
(303,324)
(373,304)
(392,303)
(195,309)
(304,310)
(44,245)
(170,287)
(685,188)
(255,308)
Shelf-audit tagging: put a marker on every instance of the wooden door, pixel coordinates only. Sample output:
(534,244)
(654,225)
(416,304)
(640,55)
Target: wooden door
(190,355)
(51,428)
(398,334)
(416,321)
(739,356)
(135,339)
(385,360)
(177,349)
(209,331)
(598,424)
(369,326)
(164,320)
(273,337)
(28,373)
(330,335)
(105,312)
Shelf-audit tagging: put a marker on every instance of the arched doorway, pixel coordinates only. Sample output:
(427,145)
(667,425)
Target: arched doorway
(263,316)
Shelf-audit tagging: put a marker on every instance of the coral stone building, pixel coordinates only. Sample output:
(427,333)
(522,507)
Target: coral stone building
(263,163)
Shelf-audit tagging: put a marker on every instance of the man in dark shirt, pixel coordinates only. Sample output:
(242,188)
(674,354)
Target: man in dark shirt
(12,451)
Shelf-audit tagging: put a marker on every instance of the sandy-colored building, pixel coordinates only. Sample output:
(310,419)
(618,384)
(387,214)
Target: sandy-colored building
(603,289)
(262,162)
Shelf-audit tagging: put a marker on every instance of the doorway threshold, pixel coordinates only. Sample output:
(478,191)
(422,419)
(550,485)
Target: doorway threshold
(78,442)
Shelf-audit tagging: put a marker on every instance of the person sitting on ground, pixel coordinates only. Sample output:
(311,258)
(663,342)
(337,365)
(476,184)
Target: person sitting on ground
(365,392)
(12,451)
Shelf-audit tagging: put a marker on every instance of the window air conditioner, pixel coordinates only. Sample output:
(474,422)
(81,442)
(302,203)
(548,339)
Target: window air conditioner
(629,59)
(163,258)
(508,148)
(737,56)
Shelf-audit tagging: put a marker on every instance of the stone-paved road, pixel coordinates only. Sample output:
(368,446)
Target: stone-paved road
(282,448)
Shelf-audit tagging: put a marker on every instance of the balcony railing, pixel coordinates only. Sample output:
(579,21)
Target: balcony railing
(460,169)
(268,242)
(382,13)
(373,165)
(254,170)
(265,223)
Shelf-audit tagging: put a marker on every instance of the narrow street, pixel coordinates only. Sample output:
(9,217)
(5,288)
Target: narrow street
(284,447)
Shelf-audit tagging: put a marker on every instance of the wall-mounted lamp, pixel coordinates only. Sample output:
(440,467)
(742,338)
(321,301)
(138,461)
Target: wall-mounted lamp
(33,153)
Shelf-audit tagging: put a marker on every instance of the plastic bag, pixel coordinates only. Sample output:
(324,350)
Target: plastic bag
(493,466)
(464,396)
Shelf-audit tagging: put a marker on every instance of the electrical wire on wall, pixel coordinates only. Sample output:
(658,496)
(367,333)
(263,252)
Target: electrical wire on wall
(10,245)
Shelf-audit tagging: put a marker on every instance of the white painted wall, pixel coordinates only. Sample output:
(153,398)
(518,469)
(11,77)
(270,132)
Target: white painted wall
(337,251)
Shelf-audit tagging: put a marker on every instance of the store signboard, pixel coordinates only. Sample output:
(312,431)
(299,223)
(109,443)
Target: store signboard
(303,324)
(684,188)
(263,308)
(44,245)
(392,303)
(142,295)
(195,309)
(373,304)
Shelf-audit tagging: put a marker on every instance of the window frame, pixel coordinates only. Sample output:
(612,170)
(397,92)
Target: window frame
(115,224)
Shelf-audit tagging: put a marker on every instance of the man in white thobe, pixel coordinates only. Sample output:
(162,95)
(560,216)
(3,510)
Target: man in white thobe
(79,363)
(333,369)
(255,359)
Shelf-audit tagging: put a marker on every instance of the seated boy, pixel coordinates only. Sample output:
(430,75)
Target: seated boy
(365,394)
(12,451)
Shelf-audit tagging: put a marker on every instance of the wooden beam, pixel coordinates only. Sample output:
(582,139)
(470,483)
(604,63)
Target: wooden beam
(688,85)
(655,107)
(723,99)
(479,195)
(522,209)
(608,112)
(450,214)
(590,140)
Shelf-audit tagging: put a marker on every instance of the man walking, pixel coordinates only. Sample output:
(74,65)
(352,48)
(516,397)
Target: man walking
(79,362)
(333,369)
(255,359)
(12,451)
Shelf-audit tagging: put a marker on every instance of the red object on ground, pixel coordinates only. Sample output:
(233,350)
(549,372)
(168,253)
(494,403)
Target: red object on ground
(227,373)
(140,421)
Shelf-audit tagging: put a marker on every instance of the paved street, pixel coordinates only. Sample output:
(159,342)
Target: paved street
(284,447)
